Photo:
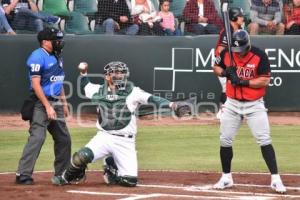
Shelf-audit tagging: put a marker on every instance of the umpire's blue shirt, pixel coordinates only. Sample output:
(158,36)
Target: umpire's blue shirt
(49,68)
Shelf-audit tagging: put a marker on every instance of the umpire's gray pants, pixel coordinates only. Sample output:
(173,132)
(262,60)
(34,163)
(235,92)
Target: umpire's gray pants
(36,139)
(254,112)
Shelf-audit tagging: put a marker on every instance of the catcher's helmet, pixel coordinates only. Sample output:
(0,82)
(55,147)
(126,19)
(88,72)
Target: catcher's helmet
(234,13)
(240,41)
(115,67)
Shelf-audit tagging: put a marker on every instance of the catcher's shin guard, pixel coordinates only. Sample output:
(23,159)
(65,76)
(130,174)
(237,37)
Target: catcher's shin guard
(76,170)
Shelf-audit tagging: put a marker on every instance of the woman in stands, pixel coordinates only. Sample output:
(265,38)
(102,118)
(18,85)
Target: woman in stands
(146,16)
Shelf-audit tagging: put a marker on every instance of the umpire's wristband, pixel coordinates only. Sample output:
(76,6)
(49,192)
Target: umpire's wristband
(245,83)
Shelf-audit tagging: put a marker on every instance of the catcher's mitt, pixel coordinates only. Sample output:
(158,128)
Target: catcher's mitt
(183,108)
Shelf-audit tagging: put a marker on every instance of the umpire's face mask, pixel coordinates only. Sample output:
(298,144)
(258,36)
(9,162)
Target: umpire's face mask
(57,46)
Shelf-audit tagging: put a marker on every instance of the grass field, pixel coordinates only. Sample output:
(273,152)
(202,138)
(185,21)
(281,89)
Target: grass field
(188,147)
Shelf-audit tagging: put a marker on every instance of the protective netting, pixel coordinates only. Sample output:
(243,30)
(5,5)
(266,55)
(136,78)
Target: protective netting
(148,17)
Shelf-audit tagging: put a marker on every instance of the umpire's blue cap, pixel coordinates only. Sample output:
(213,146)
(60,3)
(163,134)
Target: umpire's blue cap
(49,34)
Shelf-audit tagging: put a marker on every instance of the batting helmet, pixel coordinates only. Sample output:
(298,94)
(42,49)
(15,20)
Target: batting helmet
(240,41)
(234,13)
(117,67)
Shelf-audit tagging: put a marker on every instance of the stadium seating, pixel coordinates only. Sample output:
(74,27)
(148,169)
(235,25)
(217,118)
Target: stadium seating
(85,7)
(88,8)
(77,23)
(156,4)
(177,7)
(56,7)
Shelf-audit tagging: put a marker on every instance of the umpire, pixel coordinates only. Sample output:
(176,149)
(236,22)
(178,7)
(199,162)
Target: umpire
(49,107)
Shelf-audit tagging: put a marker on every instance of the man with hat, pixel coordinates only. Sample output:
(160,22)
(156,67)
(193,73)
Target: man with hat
(236,17)
(49,108)
(246,86)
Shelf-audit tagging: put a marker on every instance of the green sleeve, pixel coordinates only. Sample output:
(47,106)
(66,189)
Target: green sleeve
(84,81)
(159,101)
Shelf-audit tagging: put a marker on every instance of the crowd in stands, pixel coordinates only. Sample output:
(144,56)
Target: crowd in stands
(143,17)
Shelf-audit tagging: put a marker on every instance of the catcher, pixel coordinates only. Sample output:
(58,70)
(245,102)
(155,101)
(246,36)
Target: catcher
(117,100)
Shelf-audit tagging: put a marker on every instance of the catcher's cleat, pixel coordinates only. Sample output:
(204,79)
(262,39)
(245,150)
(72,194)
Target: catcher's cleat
(110,169)
(225,181)
(109,176)
(277,185)
(59,180)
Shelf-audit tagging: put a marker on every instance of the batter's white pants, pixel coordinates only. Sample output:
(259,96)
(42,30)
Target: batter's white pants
(254,112)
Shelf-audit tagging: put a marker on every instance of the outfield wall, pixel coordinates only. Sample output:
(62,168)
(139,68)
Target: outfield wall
(172,67)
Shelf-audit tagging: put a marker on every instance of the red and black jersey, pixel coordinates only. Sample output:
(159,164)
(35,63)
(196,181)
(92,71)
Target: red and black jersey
(222,40)
(253,65)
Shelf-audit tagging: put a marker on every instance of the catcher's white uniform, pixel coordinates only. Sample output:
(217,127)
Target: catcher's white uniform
(117,128)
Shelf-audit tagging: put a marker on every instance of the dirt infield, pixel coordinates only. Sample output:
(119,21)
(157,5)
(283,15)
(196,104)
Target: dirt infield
(14,122)
(153,185)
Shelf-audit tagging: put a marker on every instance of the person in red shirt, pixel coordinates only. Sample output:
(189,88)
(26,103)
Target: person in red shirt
(202,17)
(236,17)
(248,76)
(292,17)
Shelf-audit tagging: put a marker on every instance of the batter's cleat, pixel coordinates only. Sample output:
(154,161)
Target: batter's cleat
(24,180)
(224,182)
(277,185)
(59,180)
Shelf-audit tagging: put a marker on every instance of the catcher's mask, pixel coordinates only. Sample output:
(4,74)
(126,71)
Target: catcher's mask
(119,72)
(240,42)
(55,36)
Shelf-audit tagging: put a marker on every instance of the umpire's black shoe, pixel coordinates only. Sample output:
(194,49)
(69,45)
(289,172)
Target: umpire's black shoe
(24,180)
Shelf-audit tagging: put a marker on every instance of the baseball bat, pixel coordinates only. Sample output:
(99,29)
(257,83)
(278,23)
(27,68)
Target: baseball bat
(225,14)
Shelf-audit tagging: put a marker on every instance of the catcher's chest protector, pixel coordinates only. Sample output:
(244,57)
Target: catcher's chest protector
(113,112)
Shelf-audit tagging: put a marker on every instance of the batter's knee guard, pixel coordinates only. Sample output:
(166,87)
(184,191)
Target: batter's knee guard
(128,181)
(76,170)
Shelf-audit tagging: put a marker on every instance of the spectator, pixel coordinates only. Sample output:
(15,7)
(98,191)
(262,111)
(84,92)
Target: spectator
(146,16)
(24,14)
(292,17)
(168,19)
(4,25)
(236,17)
(266,17)
(114,16)
(202,17)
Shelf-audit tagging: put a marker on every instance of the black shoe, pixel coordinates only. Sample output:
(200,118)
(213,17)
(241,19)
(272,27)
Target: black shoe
(24,180)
